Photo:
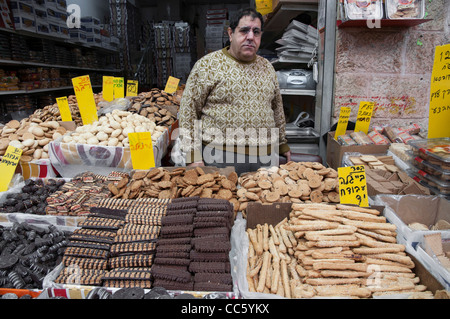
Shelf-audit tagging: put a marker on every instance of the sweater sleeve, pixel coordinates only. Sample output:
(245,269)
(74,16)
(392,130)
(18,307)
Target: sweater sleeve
(191,104)
(279,117)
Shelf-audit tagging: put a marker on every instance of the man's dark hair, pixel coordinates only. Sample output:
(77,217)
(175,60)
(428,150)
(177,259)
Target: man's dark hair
(234,21)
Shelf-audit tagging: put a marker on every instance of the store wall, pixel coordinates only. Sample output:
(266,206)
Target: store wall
(390,66)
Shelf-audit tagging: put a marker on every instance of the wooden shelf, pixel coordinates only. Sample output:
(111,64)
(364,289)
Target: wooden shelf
(405,23)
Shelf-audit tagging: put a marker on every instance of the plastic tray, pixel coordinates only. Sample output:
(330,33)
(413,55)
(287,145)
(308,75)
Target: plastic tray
(362,10)
(434,170)
(435,151)
(436,185)
(405,9)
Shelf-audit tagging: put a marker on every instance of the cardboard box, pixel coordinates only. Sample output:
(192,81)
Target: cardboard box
(335,151)
(407,209)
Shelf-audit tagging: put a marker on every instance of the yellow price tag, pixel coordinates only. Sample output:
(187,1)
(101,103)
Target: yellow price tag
(341,128)
(85,98)
(439,116)
(353,185)
(132,88)
(364,117)
(172,85)
(119,88)
(108,89)
(264,6)
(64,109)
(141,148)
(8,166)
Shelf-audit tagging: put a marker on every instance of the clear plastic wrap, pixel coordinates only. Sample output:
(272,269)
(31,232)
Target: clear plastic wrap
(361,10)
(405,9)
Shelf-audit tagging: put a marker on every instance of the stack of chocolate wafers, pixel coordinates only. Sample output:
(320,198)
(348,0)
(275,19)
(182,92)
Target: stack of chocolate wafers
(172,258)
(88,248)
(209,256)
(134,246)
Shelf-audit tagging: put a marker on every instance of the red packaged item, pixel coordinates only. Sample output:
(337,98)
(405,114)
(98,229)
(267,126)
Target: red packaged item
(378,138)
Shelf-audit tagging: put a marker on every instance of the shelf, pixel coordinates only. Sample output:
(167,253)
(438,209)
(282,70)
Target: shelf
(383,23)
(2,93)
(297,92)
(25,63)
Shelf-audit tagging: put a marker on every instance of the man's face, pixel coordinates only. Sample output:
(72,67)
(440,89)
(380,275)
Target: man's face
(246,39)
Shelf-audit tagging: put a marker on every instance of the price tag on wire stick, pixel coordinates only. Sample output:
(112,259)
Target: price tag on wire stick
(108,89)
(141,148)
(8,166)
(119,88)
(353,185)
(132,88)
(64,109)
(439,114)
(364,117)
(341,128)
(172,85)
(85,98)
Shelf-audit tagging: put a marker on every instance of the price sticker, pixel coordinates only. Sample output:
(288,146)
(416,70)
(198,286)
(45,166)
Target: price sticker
(119,88)
(85,98)
(264,6)
(132,88)
(172,85)
(8,166)
(364,117)
(353,185)
(141,148)
(64,109)
(439,114)
(341,128)
(108,89)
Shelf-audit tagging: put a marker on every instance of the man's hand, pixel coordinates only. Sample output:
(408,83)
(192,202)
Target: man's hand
(195,164)
(288,156)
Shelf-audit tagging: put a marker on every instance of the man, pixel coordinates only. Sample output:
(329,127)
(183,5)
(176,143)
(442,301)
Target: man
(233,95)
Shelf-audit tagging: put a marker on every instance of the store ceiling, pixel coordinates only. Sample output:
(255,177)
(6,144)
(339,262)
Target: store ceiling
(151,3)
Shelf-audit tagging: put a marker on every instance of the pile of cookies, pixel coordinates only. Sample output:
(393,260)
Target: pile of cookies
(180,182)
(293,182)
(330,250)
(153,105)
(32,136)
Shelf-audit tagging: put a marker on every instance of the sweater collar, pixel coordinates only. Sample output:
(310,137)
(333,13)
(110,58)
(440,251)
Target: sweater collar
(228,54)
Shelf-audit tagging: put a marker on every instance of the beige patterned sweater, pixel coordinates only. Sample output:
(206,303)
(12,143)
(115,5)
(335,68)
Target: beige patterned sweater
(231,98)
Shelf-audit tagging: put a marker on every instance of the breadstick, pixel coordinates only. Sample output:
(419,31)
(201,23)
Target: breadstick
(251,284)
(292,271)
(301,271)
(254,240)
(285,279)
(312,225)
(274,235)
(281,246)
(273,250)
(378,250)
(343,290)
(363,216)
(321,255)
(275,277)
(291,237)
(285,238)
(395,257)
(316,237)
(389,239)
(368,241)
(358,209)
(266,237)
(332,281)
(344,273)
(376,261)
(254,271)
(263,274)
(269,276)
(260,238)
(369,225)
(335,243)
(302,206)
(342,266)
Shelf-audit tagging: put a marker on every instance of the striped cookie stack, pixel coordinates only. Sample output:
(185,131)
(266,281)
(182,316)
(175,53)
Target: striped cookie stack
(211,245)
(171,266)
(134,246)
(88,249)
